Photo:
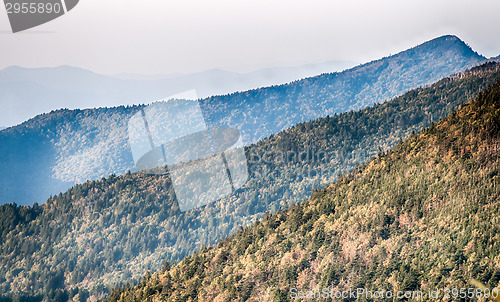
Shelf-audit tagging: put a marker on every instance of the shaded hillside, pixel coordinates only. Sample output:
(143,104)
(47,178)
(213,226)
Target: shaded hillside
(420,217)
(80,145)
(48,154)
(102,233)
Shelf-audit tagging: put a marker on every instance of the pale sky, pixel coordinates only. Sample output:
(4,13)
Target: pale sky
(186,36)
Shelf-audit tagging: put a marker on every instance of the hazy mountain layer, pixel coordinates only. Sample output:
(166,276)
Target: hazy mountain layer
(27,92)
(262,112)
(48,154)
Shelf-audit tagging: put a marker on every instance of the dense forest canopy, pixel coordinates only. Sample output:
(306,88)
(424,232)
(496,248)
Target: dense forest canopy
(101,234)
(423,216)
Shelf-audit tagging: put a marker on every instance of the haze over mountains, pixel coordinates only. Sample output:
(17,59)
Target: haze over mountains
(421,217)
(103,229)
(27,92)
(286,105)
(50,153)
(103,233)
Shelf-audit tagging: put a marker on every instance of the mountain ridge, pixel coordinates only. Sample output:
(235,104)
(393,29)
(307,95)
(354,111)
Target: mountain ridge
(418,217)
(496,59)
(104,232)
(354,86)
(93,143)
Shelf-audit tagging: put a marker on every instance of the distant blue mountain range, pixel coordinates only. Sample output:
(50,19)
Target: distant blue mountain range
(27,92)
(53,151)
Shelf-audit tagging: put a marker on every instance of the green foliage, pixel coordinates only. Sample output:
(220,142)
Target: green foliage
(422,216)
(101,234)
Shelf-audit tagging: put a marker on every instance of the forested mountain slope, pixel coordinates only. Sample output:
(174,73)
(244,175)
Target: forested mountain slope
(101,233)
(286,105)
(423,216)
(50,153)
